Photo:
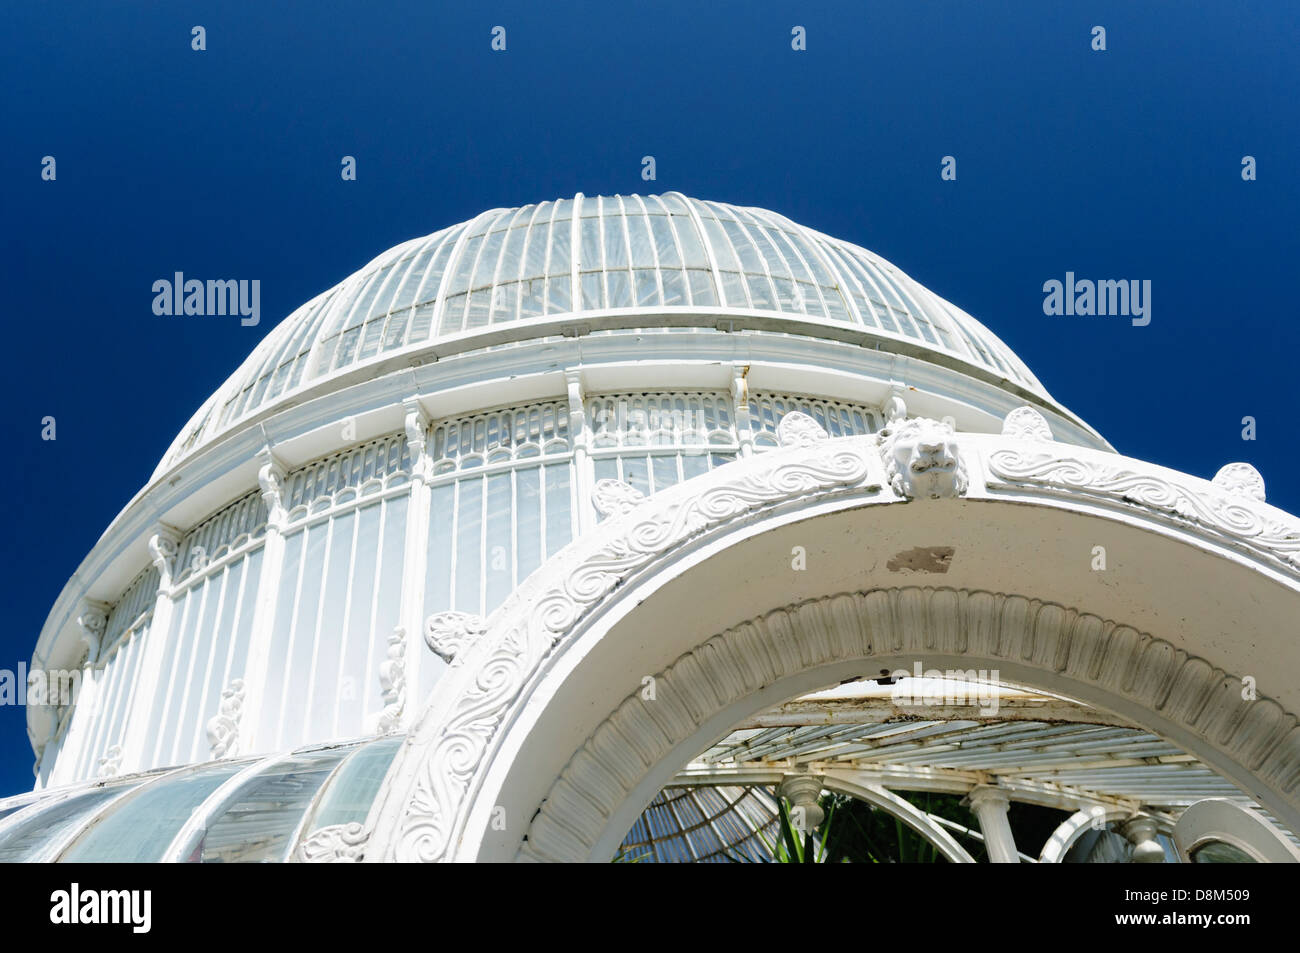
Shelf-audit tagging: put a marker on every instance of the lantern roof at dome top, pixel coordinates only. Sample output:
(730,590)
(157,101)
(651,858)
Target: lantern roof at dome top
(593,263)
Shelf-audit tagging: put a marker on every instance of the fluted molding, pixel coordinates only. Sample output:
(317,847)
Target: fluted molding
(736,663)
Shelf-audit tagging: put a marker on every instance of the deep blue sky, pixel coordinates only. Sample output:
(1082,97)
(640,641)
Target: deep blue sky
(1122,164)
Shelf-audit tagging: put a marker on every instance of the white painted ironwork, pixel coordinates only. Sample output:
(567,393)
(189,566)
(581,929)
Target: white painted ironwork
(637,350)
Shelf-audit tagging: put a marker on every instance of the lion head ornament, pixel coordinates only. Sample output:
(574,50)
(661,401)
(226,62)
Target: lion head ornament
(922,460)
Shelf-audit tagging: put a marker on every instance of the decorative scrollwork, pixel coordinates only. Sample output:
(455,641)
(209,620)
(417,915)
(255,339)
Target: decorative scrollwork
(614,497)
(450,633)
(270,477)
(223,727)
(1241,479)
(163,546)
(417,428)
(111,763)
(1236,515)
(93,620)
(335,844)
(392,680)
(1025,423)
(797,429)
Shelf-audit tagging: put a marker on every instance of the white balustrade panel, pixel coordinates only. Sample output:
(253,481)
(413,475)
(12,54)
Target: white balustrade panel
(838,418)
(654,441)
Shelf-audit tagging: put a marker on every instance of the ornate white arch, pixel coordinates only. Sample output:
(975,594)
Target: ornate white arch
(506,673)
(605,783)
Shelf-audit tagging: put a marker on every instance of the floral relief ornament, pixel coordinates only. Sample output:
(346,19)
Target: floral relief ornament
(448,634)
(1231,505)
(335,844)
(392,682)
(1241,479)
(797,429)
(614,497)
(223,727)
(1025,423)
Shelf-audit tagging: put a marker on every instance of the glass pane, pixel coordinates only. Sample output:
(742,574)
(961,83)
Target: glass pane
(141,828)
(620,289)
(647,288)
(500,551)
(636,473)
(665,472)
(674,289)
(437,580)
(694,464)
(35,837)
(559,529)
(528,520)
(259,825)
(1220,852)
(348,797)
(469,545)
(592,296)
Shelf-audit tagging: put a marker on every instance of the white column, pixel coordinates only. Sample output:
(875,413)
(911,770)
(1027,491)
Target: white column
(580,435)
(990,806)
(270,477)
(1141,833)
(415,554)
(141,722)
(740,407)
(803,791)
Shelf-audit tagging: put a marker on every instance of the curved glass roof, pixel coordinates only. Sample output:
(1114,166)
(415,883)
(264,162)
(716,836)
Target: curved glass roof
(245,810)
(589,254)
(723,824)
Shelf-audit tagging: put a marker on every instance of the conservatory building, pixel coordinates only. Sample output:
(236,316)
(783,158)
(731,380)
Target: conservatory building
(623,526)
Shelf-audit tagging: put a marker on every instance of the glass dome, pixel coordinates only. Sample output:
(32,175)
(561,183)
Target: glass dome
(626,255)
